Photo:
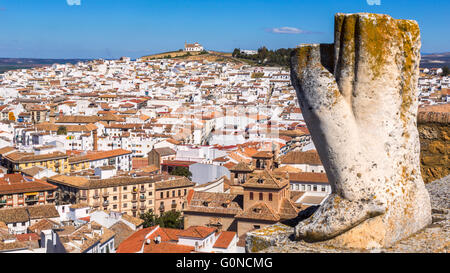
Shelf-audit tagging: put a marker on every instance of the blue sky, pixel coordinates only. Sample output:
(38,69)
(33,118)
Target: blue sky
(114,28)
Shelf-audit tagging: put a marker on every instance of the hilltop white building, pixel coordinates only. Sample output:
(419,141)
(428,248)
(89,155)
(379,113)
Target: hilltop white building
(196,47)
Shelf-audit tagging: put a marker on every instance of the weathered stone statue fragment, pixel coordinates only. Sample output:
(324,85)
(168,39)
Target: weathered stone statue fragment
(359,99)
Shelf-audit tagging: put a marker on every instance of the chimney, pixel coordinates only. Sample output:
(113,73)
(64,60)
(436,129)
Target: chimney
(94,134)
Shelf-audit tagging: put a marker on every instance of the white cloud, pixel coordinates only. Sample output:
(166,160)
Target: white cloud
(74,2)
(287,30)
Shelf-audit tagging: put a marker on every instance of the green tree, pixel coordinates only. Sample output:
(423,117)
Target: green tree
(62,130)
(168,219)
(149,218)
(181,171)
(236,53)
(445,71)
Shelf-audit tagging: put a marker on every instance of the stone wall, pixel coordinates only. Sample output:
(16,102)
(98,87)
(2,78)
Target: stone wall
(433,123)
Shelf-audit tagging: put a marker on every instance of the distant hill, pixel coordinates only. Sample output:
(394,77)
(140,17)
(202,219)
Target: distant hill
(26,63)
(212,56)
(430,60)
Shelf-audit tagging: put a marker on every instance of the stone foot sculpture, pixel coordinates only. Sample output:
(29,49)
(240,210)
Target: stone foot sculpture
(359,99)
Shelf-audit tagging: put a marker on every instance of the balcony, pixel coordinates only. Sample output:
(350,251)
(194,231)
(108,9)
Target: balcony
(105,203)
(32,199)
(142,190)
(134,209)
(105,194)
(173,206)
(96,196)
(134,200)
(50,197)
(142,207)
(142,197)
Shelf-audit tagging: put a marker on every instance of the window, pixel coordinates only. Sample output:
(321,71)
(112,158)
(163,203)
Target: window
(167,194)
(184,191)
(260,196)
(115,189)
(309,187)
(150,193)
(323,188)
(315,188)
(251,196)
(114,198)
(124,196)
(114,206)
(125,205)
(256,226)
(270,196)
(173,193)
(179,192)
(162,195)
(124,188)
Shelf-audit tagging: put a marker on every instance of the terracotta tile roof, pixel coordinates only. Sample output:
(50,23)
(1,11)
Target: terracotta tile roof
(99,155)
(263,154)
(308,177)
(122,232)
(236,157)
(266,179)
(135,241)
(298,157)
(14,215)
(178,182)
(134,220)
(182,163)
(32,171)
(42,211)
(167,248)
(20,157)
(107,234)
(288,210)
(149,168)
(287,169)
(229,165)
(27,237)
(210,202)
(165,151)
(43,224)
(14,245)
(5,150)
(16,183)
(78,119)
(259,211)
(197,232)
(224,239)
(242,167)
(51,127)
